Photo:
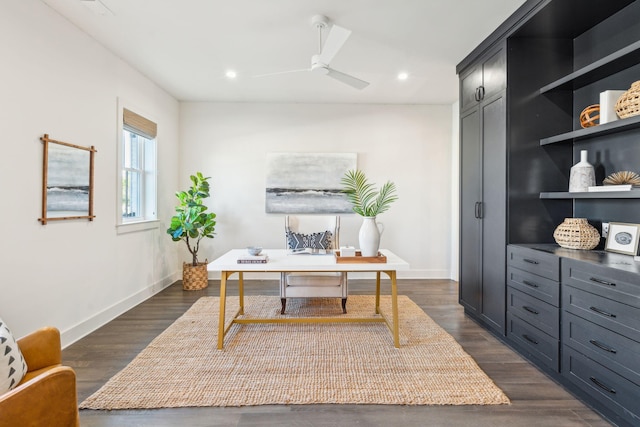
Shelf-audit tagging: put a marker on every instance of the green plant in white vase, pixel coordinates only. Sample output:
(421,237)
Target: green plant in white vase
(368,202)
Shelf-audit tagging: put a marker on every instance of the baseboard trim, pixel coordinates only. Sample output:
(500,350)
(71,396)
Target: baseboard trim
(91,324)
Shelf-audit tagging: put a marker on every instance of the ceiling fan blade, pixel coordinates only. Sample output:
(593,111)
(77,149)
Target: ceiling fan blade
(347,79)
(281,72)
(336,38)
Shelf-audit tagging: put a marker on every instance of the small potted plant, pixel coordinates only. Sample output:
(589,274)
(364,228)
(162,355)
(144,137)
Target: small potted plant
(191,224)
(368,203)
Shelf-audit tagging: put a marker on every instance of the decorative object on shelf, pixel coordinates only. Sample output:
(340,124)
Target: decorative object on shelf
(67,181)
(622,178)
(589,116)
(368,203)
(582,175)
(608,100)
(628,104)
(191,224)
(623,238)
(576,233)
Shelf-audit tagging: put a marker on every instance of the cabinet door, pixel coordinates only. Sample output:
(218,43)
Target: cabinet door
(470,224)
(484,80)
(494,73)
(470,81)
(494,217)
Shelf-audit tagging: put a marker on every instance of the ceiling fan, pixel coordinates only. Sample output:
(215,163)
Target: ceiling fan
(320,62)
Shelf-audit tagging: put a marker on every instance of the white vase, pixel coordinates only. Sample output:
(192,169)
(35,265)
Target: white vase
(582,175)
(369,236)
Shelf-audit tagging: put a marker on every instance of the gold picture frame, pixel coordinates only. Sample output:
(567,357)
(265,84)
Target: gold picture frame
(67,181)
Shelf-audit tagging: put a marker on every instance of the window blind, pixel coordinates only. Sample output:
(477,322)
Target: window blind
(140,124)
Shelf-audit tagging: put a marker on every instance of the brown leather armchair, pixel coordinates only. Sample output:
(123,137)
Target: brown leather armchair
(46,396)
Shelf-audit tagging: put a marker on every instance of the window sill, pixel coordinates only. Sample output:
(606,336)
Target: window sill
(133,227)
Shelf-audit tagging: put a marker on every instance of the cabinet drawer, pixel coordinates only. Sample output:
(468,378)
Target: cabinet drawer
(618,353)
(608,282)
(610,389)
(613,315)
(536,262)
(540,287)
(538,313)
(540,345)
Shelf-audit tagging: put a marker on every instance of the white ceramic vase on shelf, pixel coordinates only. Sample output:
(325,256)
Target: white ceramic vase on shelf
(369,236)
(582,175)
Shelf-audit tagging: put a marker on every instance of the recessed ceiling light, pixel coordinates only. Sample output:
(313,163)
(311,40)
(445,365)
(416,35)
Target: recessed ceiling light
(231,74)
(403,76)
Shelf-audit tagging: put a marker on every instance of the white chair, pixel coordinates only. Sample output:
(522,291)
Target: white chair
(316,284)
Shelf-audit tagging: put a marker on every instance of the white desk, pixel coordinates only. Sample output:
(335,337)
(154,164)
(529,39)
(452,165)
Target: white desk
(280,261)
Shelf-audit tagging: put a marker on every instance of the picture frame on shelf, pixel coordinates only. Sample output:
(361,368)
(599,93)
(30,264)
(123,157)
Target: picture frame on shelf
(623,238)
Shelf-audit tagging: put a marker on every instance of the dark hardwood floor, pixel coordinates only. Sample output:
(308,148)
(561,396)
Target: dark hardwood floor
(536,399)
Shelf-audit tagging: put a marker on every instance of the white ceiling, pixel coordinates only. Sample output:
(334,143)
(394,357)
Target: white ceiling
(186,46)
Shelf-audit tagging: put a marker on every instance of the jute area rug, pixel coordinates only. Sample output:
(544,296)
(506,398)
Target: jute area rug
(262,364)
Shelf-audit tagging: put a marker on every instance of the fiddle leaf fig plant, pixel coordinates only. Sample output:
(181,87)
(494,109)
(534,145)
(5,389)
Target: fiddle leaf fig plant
(366,200)
(192,223)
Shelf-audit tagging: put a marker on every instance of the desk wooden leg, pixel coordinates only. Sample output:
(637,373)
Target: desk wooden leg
(394,309)
(378,292)
(223,300)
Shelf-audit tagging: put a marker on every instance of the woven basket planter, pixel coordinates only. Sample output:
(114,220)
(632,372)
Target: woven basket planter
(576,233)
(628,104)
(194,278)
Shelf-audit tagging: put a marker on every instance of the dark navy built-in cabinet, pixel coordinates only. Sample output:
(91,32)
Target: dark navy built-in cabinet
(575,314)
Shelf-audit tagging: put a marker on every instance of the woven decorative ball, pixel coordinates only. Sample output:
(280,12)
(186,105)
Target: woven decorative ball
(628,104)
(590,115)
(576,233)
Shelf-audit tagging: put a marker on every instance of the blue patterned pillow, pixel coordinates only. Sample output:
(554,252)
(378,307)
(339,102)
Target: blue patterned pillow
(320,240)
(12,364)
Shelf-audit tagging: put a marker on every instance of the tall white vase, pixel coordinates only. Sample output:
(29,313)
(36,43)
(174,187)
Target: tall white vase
(582,175)
(369,236)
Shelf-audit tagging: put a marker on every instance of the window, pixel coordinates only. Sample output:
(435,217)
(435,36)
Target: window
(137,164)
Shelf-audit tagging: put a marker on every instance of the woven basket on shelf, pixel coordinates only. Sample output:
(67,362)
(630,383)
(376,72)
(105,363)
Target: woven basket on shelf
(194,278)
(628,104)
(576,233)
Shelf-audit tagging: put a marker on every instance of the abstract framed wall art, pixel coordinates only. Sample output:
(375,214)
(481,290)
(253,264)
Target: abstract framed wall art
(307,183)
(67,181)
(623,238)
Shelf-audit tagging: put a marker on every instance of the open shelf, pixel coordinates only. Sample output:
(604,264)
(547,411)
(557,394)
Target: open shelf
(595,131)
(609,65)
(632,194)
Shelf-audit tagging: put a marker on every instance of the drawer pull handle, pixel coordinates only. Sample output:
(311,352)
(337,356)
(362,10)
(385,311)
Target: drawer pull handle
(530,261)
(603,347)
(602,386)
(528,338)
(602,312)
(528,283)
(530,310)
(602,282)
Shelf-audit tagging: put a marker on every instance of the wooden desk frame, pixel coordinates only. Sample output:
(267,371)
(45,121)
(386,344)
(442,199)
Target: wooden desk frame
(392,323)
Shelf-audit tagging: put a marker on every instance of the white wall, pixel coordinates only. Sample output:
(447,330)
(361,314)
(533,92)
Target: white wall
(76,274)
(408,144)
